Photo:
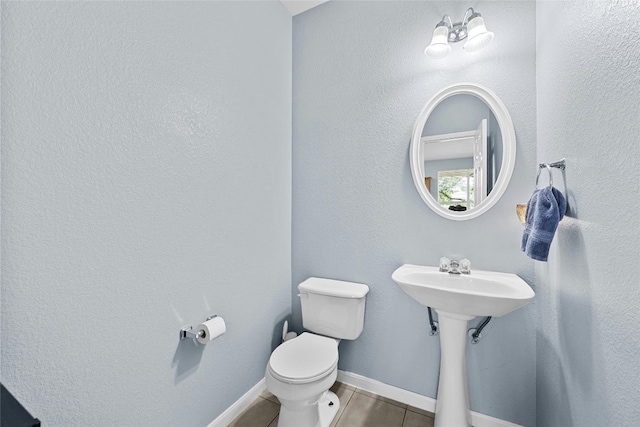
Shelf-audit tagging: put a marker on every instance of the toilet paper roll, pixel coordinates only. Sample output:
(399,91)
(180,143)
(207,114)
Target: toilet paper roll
(211,329)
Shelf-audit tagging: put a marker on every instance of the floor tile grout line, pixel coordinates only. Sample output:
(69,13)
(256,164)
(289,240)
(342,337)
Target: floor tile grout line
(345,408)
(421,412)
(277,412)
(382,398)
(274,417)
(404,417)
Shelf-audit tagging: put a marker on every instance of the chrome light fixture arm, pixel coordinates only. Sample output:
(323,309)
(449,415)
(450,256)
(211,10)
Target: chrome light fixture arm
(456,32)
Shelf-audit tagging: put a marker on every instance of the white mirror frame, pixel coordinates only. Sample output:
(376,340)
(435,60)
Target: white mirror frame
(508,140)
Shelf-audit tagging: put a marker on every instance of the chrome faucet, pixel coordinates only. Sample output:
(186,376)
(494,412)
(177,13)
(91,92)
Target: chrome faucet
(465,266)
(455,267)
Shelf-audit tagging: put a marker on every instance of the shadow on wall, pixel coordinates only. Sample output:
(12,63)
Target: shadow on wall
(189,352)
(186,358)
(550,396)
(575,317)
(576,355)
(276,336)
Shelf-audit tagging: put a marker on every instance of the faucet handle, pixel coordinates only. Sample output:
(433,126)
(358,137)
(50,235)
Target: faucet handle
(445,264)
(465,266)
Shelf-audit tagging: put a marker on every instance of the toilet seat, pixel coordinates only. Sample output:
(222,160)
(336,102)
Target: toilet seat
(304,359)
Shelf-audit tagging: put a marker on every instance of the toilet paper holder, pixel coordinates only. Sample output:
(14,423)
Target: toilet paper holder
(188,332)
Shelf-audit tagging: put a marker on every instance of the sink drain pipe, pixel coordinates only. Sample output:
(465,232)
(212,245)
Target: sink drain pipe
(433,324)
(475,333)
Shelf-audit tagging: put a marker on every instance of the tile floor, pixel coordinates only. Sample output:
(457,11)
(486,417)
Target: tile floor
(358,408)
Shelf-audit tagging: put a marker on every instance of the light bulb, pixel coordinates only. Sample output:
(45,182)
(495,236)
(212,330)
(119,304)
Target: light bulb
(478,36)
(439,46)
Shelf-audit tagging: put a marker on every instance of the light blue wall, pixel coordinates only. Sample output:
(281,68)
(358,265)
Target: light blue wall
(146,183)
(360,78)
(588,299)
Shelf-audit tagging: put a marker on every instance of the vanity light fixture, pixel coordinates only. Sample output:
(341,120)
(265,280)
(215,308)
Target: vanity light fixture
(471,28)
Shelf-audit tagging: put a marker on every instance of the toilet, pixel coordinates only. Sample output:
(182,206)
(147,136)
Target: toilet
(301,370)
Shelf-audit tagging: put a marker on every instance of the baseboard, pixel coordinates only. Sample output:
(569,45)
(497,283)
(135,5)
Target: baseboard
(381,389)
(240,405)
(390,392)
(413,399)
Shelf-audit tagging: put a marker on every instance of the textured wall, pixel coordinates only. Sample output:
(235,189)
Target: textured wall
(587,294)
(146,183)
(360,80)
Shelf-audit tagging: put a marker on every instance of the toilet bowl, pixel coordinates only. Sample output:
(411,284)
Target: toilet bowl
(301,370)
(300,373)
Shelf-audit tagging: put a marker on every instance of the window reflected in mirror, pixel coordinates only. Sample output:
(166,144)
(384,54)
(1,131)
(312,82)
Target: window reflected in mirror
(456,189)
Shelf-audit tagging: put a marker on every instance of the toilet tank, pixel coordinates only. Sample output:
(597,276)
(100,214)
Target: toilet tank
(333,308)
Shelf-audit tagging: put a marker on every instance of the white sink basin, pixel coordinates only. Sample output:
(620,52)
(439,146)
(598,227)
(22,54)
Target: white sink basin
(481,293)
(458,298)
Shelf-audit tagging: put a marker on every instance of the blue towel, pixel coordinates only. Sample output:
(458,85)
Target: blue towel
(545,209)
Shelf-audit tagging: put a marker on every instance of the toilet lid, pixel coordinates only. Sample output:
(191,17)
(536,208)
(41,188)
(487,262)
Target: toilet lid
(306,357)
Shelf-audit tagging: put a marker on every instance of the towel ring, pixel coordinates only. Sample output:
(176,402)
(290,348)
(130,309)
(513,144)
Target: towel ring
(550,174)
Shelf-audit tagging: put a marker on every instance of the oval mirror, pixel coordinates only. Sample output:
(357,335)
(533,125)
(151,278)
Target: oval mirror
(463,150)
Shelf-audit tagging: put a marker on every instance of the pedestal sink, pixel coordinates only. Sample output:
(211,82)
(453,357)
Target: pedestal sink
(458,298)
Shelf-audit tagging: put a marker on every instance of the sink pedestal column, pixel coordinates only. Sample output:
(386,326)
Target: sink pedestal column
(452,404)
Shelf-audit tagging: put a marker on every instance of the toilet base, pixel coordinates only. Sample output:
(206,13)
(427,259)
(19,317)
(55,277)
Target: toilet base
(324,411)
(328,407)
